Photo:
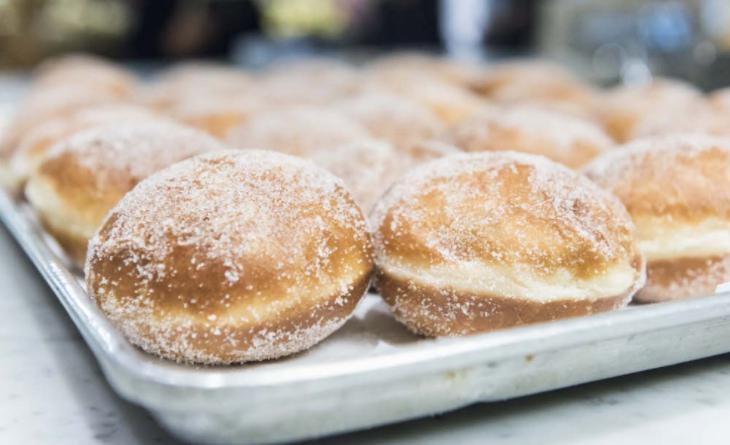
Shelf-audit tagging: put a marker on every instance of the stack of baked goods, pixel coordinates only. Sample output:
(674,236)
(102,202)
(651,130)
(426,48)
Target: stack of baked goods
(225,216)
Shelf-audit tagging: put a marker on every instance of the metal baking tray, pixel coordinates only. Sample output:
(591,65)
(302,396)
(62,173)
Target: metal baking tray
(373,372)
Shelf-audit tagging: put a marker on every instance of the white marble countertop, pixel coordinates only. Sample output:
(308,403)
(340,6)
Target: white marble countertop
(52,392)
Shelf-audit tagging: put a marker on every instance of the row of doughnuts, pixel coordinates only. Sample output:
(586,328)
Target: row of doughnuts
(206,238)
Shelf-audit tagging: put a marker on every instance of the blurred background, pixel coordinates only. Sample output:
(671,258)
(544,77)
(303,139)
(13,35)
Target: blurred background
(605,40)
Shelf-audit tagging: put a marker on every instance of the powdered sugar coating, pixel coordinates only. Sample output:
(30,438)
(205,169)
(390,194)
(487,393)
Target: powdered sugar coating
(396,119)
(299,131)
(216,115)
(677,176)
(562,137)
(195,82)
(476,242)
(136,149)
(231,257)
(625,110)
(37,141)
(683,278)
(44,103)
(505,208)
(306,82)
(81,178)
(367,167)
(536,81)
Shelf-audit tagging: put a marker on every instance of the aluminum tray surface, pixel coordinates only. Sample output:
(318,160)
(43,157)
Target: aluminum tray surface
(373,371)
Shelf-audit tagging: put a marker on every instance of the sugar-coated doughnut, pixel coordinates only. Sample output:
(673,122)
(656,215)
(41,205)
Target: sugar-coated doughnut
(677,190)
(626,110)
(428,150)
(82,177)
(309,82)
(194,81)
(216,116)
(299,131)
(450,103)
(536,81)
(43,104)
(562,137)
(367,167)
(477,242)
(34,145)
(720,99)
(231,257)
(83,70)
(700,117)
(396,119)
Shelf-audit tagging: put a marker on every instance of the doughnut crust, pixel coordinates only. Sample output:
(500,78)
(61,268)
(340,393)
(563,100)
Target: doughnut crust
(396,119)
(299,131)
(83,177)
(677,190)
(536,81)
(231,257)
(34,145)
(84,69)
(367,168)
(477,242)
(562,137)
(628,112)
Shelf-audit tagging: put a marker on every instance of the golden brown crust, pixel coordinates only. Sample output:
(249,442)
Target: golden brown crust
(84,176)
(230,257)
(525,208)
(477,242)
(626,110)
(391,117)
(45,103)
(217,122)
(337,308)
(36,143)
(299,131)
(367,167)
(683,178)
(562,137)
(680,278)
(440,311)
(538,82)
(87,71)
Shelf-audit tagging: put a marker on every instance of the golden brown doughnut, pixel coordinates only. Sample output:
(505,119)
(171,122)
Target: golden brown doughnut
(310,82)
(43,104)
(34,145)
(84,176)
(231,257)
(477,242)
(700,117)
(396,119)
(367,167)
(451,103)
(216,116)
(536,81)
(194,81)
(299,131)
(677,190)
(83,70)
(428,150)
(564,138)
(625,110)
